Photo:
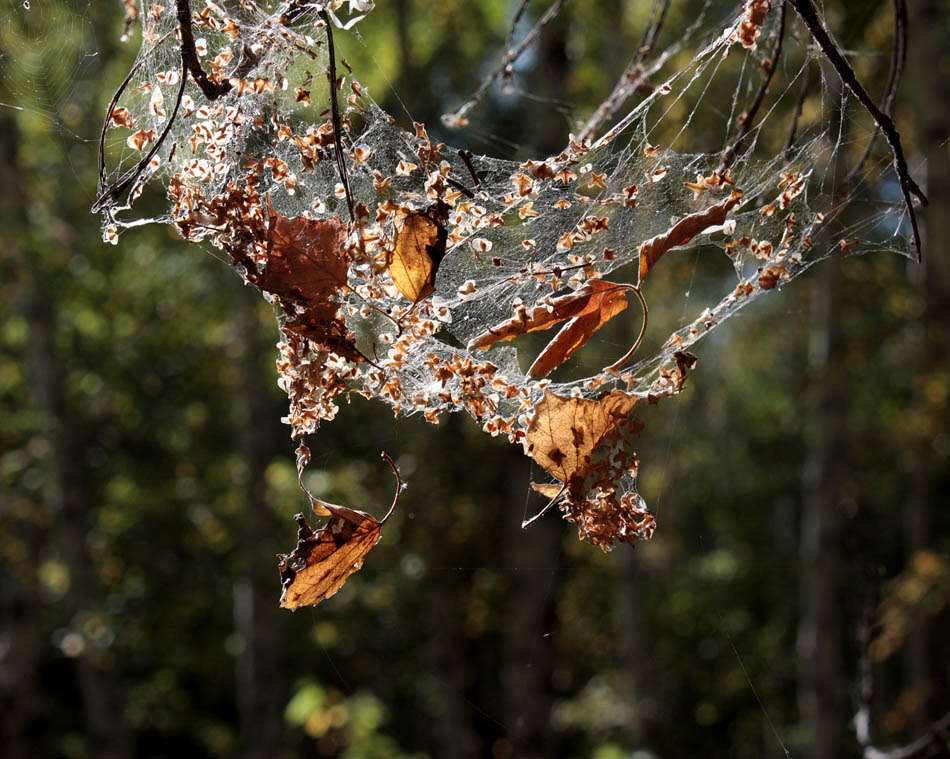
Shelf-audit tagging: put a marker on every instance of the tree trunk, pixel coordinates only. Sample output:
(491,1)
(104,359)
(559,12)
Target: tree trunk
(259,682)
(819,628)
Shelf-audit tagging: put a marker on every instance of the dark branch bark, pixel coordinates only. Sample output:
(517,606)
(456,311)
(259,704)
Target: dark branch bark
(806,10)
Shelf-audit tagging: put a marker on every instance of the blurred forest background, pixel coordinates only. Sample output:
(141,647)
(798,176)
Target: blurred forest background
(800,483)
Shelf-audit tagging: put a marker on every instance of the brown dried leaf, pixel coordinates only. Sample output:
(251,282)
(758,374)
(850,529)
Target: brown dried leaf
(420,246)
(588,299)
(323,560)
(683,231)
(565,432)
(573,335)
(305,259)
(324,325)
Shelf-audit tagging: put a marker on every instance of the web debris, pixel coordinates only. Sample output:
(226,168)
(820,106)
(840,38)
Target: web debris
(400,265)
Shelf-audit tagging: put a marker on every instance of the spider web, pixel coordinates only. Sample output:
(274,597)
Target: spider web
(255,147)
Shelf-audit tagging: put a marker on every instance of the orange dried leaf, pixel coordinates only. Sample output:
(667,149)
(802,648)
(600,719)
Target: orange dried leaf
(578,331)
(420,247)
(305,259)
(323,560)
(586,300)
(565,432)
(683,231)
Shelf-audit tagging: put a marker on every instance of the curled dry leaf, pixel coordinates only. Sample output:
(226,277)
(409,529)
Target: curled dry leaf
(566,432)
(588,309)
(324,559)
(685,230)
(420,246)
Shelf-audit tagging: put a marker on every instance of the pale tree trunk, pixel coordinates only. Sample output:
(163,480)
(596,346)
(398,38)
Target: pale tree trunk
(820,626)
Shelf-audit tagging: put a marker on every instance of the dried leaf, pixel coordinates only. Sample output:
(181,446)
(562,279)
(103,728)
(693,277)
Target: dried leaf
(565,432)
(324,325)
(420,246)
(573,335)
(323,560)
(305,259)
(684,230)
(585,300)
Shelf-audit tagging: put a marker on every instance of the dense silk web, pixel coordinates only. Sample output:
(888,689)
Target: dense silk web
(401,266)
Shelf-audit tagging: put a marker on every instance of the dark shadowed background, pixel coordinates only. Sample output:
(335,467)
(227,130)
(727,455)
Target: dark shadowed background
(800,483)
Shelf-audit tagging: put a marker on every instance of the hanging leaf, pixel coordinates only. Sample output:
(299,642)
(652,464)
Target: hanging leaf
(565,432)
(420,246)
(684,231)
(324,559)
(305,258)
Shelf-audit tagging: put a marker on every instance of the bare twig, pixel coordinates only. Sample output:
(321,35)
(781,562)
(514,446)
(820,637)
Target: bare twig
(528,522)
(898,59)
(132,176)
(799,105)
(806,10)
(455,118)
(105,123)
(189,56)
(337,124)
(736,146)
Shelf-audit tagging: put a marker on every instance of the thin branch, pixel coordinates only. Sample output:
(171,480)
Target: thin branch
(189,56)
(132,176)
(109,111)
(898,59)
(806,10)
(737,145)
(337,128)
(455,118)
(528,522)
(799,106)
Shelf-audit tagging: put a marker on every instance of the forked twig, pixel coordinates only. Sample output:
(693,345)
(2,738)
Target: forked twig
(189,64)
(189,56)
(806,10)
(455,118)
